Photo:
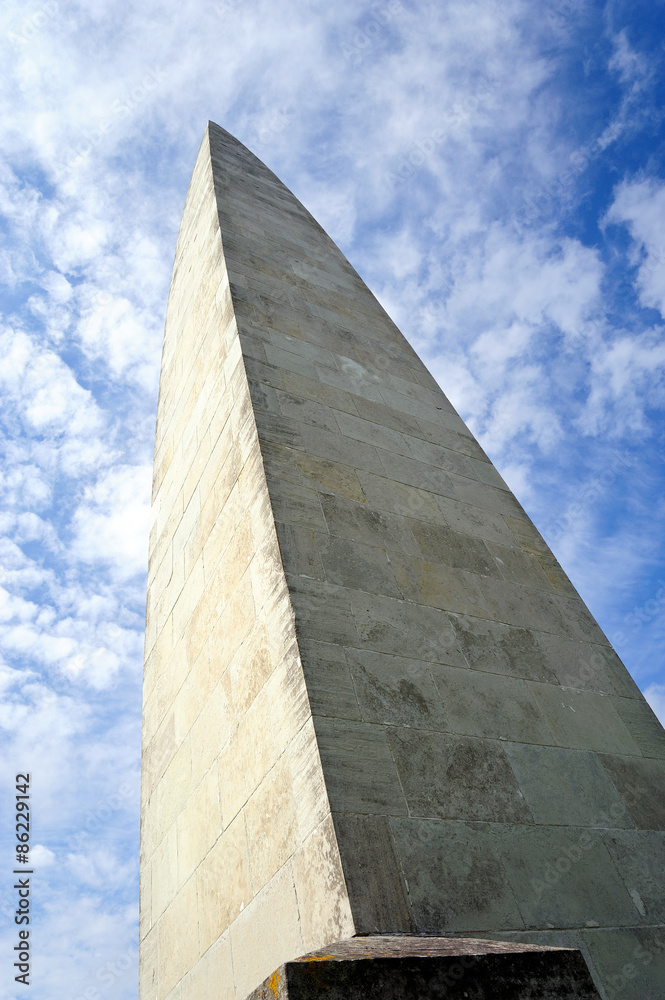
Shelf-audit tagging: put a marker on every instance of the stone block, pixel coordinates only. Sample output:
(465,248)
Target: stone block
(639,782)
(643,726)
(630,961)
(385,416)
(330,476)
(501,649)
(197,684)
(583,720)
(474,521)
(286,696)
(245,759)
(578,619)
(566,787)
(328,679)
(413,473)
(403,629)
(385,494)
(378,894)
(334,447)
(321,890)
(455,777)
(308,411)
(212,976)
(350,384)
(454,435)
(319,392)
(575,664)
(639,856)
(223,885)
(351,564)
(517,566)
(361,523)
(624,685)
(359,770)
(563,877)
(523,606)
(393,690)
(455,876)
(299,550)
(322,612)
(309,787)
(440,544)
(178,939)
(169,797)
(372,433)
(198,826)
(398,967)
(165,863)
(491,705)
(477,494)
(270,817)
(272,918)
(250,668)
(436,456)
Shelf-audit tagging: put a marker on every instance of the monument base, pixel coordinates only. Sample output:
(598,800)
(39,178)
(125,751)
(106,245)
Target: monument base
(421,968)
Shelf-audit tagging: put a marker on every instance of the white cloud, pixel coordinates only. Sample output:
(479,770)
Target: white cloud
(100,869)
(45,392)
(626,378)
(41,857)
(640,205)
(25,484)
(655,695)
(631,66)
(111,525)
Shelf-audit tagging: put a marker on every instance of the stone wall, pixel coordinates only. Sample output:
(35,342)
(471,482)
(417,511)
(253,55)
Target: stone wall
(236,831)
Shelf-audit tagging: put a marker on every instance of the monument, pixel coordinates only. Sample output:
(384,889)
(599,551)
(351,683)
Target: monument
(375,708)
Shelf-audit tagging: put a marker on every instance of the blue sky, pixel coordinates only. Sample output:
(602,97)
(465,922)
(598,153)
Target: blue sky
(495,172)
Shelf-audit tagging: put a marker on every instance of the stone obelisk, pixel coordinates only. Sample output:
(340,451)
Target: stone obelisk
(374,704)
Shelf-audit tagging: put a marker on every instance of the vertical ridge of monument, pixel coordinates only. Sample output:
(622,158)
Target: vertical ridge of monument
(237,839)
(374,703)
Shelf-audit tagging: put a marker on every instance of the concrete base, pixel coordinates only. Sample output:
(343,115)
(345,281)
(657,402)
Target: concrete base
(407,968)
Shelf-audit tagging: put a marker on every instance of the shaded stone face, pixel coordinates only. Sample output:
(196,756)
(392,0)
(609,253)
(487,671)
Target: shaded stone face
(399,968)
(373,701)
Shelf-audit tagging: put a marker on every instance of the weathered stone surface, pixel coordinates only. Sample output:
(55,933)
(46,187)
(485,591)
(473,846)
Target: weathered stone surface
(566,788)
(373,701)
(449,968)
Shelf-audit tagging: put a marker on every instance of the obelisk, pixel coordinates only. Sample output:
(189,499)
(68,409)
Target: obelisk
(374,704)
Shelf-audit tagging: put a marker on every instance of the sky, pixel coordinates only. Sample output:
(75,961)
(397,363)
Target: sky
(493,170)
